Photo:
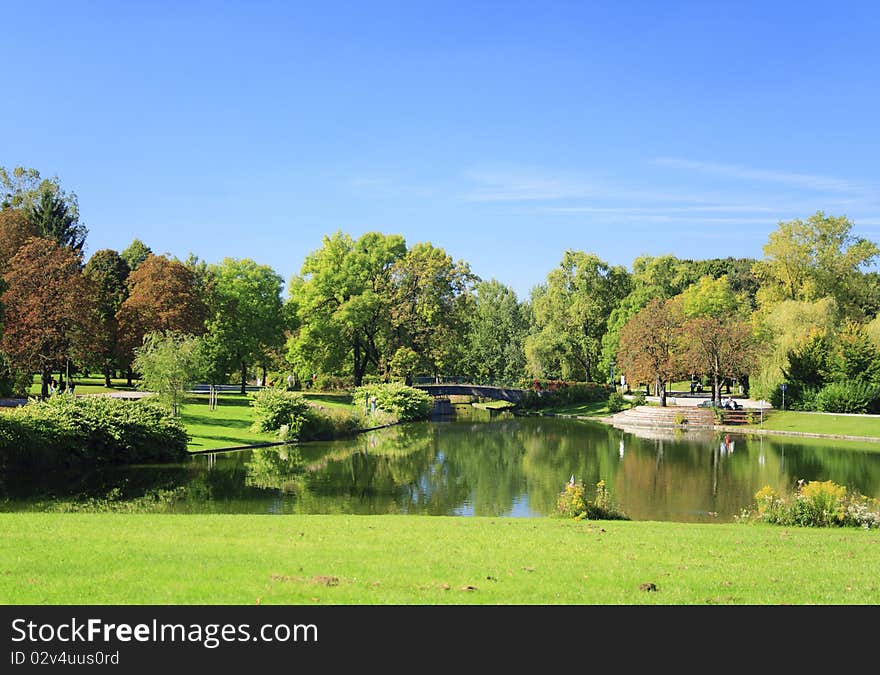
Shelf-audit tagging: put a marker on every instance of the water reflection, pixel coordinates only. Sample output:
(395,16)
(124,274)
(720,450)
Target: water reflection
(485,465)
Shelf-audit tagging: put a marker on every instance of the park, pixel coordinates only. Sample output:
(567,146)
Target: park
(148,394)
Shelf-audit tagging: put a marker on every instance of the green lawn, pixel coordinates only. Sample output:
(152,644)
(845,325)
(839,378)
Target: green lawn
(821,423)
(219,559)
(86,385)
(229,424)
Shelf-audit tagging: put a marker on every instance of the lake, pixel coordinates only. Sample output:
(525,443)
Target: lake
(476,463)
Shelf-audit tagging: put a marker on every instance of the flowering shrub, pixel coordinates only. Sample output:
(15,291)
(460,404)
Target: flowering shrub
(815,504)
(573,503)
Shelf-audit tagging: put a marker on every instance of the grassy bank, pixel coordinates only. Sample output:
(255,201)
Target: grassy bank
(823,423)
(213,559)
(229,424)
(595,409)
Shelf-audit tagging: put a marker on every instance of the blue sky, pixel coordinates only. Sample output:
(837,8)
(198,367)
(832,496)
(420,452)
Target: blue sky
(505,132)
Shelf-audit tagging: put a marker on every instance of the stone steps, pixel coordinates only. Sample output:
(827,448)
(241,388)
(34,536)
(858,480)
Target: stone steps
(677,417)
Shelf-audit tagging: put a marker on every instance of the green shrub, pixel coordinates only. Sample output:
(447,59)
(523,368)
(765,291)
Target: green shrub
(638,399)
(279,410)
(616,402)
(405,403)
(815,504)
(326,424)
(69,430)
(851,396)
(572,502)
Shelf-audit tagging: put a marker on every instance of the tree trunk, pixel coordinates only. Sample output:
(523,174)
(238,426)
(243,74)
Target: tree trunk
(243,377)
(107,382)
(129,375)
(661,389)
(264,375)
(716,390)
(45,378)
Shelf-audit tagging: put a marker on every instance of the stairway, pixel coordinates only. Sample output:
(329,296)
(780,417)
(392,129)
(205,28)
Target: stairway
(674,417)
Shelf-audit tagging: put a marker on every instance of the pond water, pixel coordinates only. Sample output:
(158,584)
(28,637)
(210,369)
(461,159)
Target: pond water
(473,464)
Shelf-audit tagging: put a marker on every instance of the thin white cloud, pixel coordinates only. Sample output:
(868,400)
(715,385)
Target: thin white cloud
(798,180)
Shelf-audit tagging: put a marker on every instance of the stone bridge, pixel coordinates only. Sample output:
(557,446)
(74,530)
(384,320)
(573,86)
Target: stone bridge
(495,393)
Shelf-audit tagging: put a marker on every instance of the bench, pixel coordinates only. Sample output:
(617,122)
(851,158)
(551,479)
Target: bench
(738,416)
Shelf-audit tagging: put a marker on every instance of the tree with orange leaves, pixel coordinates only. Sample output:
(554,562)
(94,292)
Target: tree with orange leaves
(648,343)
(163,295)
(48,308)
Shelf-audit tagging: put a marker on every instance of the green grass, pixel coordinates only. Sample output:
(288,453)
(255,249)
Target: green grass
(821,423)
(495,405)
(220,559)
(226,426)
(86,385)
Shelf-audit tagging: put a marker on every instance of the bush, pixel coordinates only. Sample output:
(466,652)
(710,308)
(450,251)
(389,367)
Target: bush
(815,504)
(616,402)
(333,383)
(638,399)
(70,430)
(851,396)
(404,403)
(573,503)
(279,410)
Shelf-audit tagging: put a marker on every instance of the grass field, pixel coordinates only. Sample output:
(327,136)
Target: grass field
(822,423)
(595,409)
(218,559)
(229,424)
(86,385)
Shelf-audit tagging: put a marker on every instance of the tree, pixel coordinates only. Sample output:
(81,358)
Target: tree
(247,317)
(53,218)
(136,252)
(711,297)
(170,363)
(49,308)
(495,336)
(163,295)
(108,273)
(15,229)
(819,257)
(431,304)
(341,304)
(23,188)
(571,314)
(648,345)
(854,355)
(720,346)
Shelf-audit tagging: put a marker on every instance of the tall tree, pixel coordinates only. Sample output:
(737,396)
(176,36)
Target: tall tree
(169,364)
(341,304)
(163,295)
(720,346)
(571,315)
(49,309)
(15,229)
(53,218)
(247,317)
(108,273)
(496,333)
(815,258)
(135,253)
(648,345)
(431,304)
(22,188)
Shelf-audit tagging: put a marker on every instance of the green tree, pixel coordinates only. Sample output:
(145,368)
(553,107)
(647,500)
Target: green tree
(53,218)
(815,258)
(430,306)
(136,252)
(23,188)
(341,305)
(495,339)
(809,363)
(854,355)
(571,313)
(170,363)
(247,317)
(108,273)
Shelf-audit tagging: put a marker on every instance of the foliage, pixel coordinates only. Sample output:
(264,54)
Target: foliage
(66,430)
(52,217)
(849,396)
(638,398)
(163,295)
(854,356)
(816,258)
(23,188)
(616,402)
(48,304)
(279,410)
(169,364)
(405,403)
(648,345)
(815,504)
(136,252)
(108,273)
(573,503)
(553,394)
(246,319)
(571,313)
